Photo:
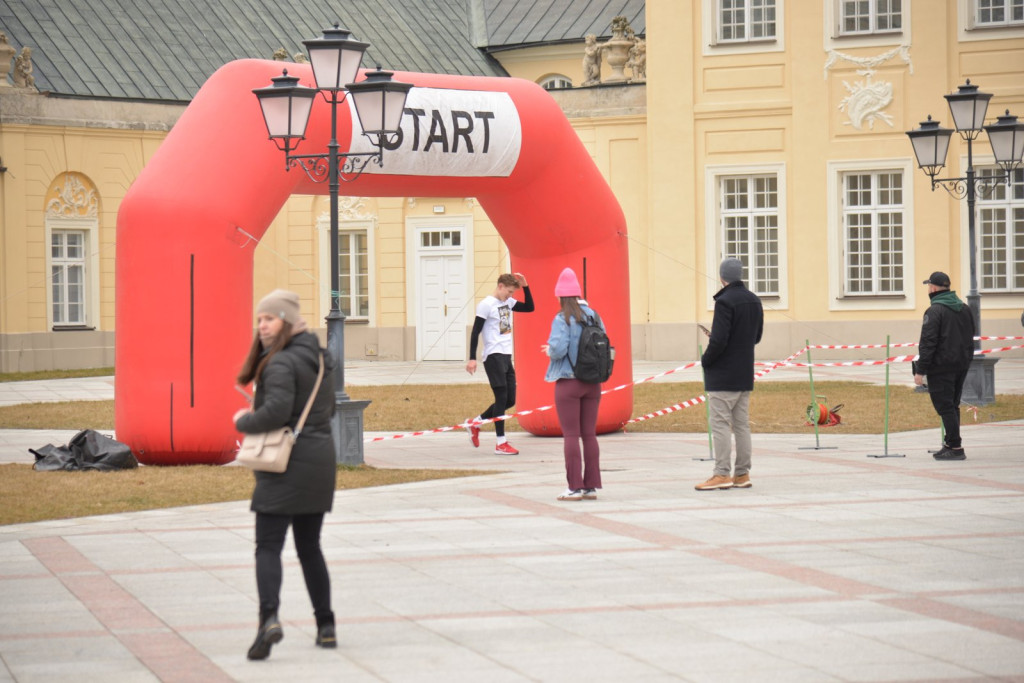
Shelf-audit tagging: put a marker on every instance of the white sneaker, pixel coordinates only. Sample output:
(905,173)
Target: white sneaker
(571,494)
(589,494)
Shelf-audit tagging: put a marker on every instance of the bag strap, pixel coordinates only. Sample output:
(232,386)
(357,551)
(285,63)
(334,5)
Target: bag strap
(309,404)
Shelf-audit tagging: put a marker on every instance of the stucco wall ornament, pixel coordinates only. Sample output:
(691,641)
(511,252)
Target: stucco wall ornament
(349,209)
(867,98)
(74,200)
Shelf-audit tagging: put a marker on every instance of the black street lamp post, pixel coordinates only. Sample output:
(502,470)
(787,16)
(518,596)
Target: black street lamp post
(379,104)
(931,142)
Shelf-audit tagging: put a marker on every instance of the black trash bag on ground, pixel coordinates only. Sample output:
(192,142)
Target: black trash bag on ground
(87,450)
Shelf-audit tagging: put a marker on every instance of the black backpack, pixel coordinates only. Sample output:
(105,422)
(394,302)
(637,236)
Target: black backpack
(595,354)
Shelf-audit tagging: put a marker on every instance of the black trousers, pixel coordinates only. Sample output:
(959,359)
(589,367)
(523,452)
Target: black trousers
(945,389)
(270,534)
(502,378)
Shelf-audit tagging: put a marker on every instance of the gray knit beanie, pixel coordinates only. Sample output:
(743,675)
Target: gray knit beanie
(731,270)
(281,303)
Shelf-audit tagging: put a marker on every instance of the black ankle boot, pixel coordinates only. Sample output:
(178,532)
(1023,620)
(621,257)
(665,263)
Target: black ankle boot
(326,637)
(269,634)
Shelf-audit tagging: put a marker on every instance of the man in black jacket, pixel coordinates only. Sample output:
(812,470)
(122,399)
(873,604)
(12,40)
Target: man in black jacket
(945,353)
(728,366)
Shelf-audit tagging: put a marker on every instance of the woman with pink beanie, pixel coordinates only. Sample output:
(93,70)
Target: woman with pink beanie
(575,401)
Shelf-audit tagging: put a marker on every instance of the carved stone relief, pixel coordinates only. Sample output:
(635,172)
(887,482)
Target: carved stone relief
(74,199)
(349,209)
(867,99)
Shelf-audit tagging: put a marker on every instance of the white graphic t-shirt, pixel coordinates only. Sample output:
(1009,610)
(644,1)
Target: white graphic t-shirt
(497,332)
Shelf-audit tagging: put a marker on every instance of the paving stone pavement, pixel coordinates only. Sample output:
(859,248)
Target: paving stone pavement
(835,566)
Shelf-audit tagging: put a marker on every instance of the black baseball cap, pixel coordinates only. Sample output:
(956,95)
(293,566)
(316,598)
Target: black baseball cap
(938,278)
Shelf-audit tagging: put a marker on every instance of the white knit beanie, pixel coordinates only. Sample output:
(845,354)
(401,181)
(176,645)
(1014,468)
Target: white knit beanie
(281,303)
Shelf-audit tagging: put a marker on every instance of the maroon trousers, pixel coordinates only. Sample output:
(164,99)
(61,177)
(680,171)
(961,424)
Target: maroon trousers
(576,403)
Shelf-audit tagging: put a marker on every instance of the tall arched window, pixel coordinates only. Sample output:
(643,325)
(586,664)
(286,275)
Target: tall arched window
(72,252)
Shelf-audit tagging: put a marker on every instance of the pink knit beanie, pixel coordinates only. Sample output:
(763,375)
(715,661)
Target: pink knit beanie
(567,284)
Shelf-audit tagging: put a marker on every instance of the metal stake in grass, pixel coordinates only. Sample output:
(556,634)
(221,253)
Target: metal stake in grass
(814,402)
(886,453)
(707,408)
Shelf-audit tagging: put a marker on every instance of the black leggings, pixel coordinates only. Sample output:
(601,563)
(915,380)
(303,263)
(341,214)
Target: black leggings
(502,378)
(270,534)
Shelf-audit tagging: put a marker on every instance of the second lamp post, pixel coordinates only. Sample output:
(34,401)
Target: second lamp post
(931,142)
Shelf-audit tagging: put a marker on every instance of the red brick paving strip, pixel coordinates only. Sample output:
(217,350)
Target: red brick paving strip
(169,656)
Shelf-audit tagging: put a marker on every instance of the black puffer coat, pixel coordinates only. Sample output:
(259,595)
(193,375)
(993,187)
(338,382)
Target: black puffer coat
(728,361)
(307,486)
(947,335)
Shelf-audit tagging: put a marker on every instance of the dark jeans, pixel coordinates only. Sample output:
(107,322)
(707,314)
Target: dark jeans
(577,403)
(502,378)
(945,389)
(270,534)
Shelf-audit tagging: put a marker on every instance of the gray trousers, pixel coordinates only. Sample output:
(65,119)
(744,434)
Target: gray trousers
(730,414)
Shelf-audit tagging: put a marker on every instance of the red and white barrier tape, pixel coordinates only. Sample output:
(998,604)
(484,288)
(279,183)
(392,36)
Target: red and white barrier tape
(671,409)
(788,362)
(862,346)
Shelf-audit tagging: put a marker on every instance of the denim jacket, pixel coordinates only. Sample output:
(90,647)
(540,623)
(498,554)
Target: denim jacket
(564,343)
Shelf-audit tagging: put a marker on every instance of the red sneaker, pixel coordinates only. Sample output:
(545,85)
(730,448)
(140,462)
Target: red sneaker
(505,449)
(474,434)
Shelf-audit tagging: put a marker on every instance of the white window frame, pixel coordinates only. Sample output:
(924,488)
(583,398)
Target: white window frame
(89,227)
(555,82)
(839,299)
(714,45)
(873,18)
(364,225)
(714,229)
(970,30)
(994,299)
(1008,7)
(836,39)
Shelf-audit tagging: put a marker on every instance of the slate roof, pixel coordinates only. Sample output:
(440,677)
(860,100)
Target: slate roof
(165,50)
(522,23)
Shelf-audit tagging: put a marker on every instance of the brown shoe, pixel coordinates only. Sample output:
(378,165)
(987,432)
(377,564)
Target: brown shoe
(715,482)
(741,482)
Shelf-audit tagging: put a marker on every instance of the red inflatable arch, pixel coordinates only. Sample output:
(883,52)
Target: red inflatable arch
(185,275)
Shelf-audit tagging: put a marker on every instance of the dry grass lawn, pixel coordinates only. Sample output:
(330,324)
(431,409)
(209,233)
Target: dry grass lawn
(775,407)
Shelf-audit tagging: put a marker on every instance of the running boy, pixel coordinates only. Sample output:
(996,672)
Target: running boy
(494,319)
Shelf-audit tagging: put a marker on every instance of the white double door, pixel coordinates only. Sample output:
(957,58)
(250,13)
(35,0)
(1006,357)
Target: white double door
(442,294)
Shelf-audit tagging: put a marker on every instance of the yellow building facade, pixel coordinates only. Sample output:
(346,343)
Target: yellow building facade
(779,138)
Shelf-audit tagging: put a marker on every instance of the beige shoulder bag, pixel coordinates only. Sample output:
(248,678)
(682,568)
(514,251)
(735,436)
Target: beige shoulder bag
(270,451)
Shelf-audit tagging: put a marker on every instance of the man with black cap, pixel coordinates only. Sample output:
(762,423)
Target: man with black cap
(945,353)
(728,366)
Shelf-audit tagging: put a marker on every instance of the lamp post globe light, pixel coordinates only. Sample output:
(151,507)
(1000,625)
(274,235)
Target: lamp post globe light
(379,103)
(930,141)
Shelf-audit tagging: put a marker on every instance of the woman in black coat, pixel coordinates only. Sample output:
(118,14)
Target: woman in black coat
(283,363)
